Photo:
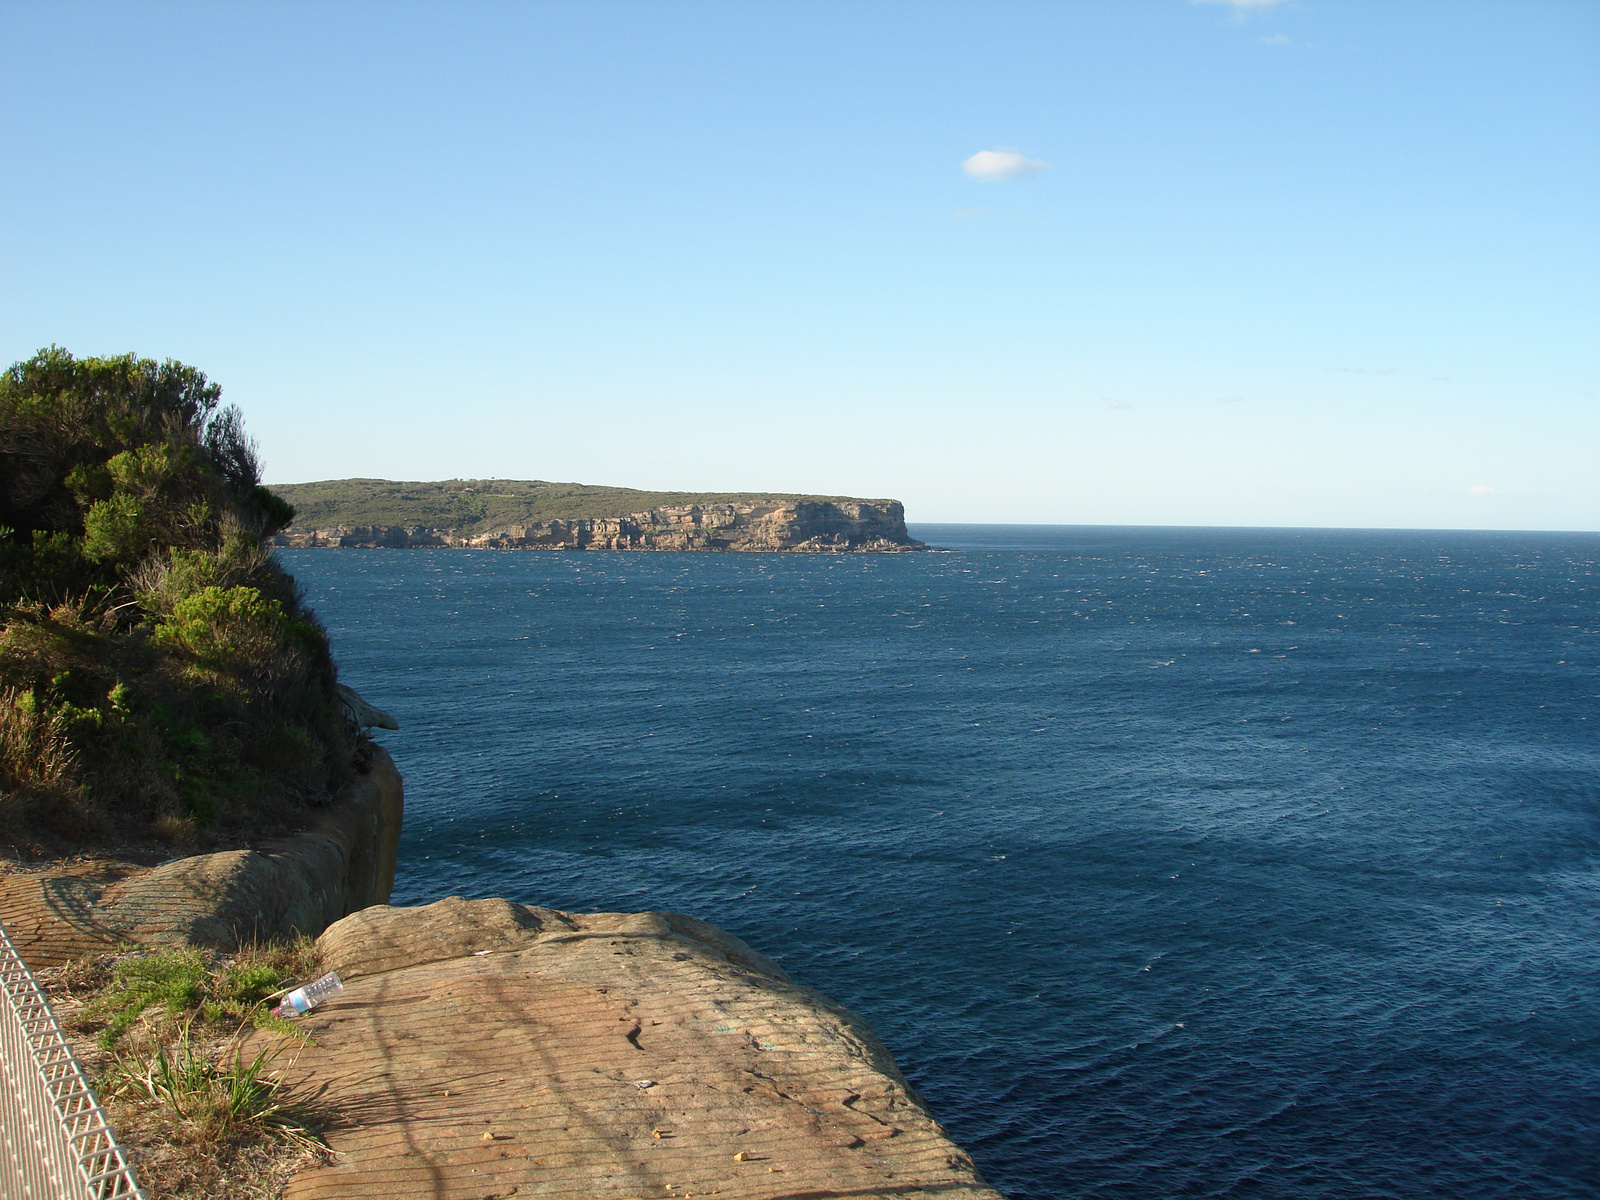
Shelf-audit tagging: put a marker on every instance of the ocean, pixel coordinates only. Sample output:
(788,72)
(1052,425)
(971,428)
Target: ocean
(1167,862)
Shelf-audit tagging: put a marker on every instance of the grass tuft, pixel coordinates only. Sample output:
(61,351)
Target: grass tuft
(216,1096)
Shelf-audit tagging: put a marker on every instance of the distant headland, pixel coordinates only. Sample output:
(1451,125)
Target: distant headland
(511,514)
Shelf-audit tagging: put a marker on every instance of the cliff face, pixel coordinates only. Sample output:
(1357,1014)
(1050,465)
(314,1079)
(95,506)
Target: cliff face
(299,885)
(798,526)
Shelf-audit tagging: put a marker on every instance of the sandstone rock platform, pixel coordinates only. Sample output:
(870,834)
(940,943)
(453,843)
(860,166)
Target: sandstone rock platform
(483,1049)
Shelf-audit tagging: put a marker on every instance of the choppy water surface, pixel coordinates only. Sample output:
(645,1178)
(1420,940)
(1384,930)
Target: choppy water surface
(1167,862)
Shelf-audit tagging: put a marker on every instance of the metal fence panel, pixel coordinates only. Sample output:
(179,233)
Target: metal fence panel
(57,1143)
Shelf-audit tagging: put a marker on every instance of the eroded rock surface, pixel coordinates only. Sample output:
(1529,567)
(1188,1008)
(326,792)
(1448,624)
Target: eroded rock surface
(488,1049)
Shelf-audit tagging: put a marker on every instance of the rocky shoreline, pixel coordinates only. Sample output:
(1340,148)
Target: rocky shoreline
(343,862)
(800,526)
(495,1050)
(484,1050)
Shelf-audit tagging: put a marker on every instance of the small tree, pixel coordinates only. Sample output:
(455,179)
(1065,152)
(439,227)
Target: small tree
(129,457)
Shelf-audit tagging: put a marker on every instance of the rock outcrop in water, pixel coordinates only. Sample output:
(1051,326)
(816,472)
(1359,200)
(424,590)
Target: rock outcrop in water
(831,525)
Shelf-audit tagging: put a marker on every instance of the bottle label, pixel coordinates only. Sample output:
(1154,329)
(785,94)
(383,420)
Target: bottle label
(303,999)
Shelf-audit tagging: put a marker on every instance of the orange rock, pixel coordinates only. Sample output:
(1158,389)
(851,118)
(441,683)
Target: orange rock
(547,1038)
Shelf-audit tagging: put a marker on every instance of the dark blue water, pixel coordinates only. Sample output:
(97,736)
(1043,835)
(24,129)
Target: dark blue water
(1168,862)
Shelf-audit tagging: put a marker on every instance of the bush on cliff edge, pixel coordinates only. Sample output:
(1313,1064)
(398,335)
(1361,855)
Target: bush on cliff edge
(159,674)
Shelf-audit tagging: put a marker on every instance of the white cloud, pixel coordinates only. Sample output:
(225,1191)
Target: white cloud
(1118,404)
(1003,162)
(1242,6)
(1483,489)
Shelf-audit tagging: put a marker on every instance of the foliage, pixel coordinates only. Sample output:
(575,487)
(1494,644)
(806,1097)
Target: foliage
(182,1062)
(172,979)
(187,985)
(159,675)
(237,629)
(213,1093)
(104,460)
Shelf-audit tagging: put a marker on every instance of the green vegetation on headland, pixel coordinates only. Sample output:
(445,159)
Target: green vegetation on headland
(159,674)
(474,506)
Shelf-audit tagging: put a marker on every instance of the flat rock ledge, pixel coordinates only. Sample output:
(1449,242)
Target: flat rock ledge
(483,1050)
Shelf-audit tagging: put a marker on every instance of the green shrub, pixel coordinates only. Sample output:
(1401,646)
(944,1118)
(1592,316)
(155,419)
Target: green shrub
(163,579)
(155,659)
(224,627)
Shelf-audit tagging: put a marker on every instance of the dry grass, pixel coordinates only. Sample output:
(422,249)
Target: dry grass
(173,1170)
(203,1118)
(162,1033)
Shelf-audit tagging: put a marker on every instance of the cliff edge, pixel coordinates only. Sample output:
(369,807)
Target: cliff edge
(489,1049)
(484,1050)
(342,862)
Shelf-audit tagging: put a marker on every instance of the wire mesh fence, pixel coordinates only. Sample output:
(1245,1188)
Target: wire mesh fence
(57,1144)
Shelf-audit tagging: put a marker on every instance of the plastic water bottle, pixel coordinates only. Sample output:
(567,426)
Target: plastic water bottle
(304,999)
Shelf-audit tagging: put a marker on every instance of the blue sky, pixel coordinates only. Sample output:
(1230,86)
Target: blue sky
(1311,262)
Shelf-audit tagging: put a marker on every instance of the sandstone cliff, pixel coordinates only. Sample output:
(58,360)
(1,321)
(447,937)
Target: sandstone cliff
(800,525)
(344,862)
